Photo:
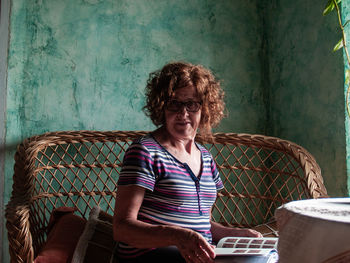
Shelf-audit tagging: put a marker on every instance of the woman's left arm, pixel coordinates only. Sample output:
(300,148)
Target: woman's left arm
(219,231)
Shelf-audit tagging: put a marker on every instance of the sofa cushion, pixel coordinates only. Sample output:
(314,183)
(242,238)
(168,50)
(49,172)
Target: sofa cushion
(64,230)
(96,244)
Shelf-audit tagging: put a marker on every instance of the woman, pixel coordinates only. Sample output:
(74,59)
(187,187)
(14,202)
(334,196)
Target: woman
(168,182)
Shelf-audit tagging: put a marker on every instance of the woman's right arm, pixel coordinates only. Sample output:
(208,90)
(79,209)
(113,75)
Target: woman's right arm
(128,229)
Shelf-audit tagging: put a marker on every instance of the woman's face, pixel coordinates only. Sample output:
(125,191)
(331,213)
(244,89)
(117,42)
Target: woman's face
(184,122)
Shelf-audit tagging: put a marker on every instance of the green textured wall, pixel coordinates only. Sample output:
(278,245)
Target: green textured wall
(346,17)
(307,85)
(83,64)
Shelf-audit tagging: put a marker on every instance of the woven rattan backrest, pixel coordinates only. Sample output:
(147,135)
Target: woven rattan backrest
(261,173)
(75,169)
(81,169)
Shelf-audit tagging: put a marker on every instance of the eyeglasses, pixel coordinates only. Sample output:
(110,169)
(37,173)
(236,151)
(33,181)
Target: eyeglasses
(176,106)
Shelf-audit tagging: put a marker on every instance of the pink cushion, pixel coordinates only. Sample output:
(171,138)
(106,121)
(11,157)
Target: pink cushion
(64,229)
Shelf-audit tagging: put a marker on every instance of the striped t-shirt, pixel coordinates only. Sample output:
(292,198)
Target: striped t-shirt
(176,196)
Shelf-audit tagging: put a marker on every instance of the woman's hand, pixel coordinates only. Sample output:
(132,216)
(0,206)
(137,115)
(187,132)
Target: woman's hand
(219,231)
(192,245)
(243,232)
(194,248)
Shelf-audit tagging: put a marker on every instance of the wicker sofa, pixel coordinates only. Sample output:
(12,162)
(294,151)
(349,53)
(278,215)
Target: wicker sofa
(80,169)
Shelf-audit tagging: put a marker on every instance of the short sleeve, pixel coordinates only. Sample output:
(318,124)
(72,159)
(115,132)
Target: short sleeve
(216,176)
(137,167)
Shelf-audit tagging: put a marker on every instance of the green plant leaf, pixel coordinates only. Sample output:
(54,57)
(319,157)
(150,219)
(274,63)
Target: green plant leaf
(329,7)
(347,77)
(338,46)
(346,23)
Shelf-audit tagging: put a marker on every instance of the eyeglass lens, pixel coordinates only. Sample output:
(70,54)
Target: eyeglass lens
(176,106)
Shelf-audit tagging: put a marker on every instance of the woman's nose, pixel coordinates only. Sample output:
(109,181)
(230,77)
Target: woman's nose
(183,110)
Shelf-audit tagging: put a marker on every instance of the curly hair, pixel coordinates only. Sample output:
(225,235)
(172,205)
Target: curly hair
(163,83)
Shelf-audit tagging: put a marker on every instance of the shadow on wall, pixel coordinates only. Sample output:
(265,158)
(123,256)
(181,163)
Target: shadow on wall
(8,148)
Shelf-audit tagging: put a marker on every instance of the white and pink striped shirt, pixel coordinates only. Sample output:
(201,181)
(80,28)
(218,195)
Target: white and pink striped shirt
(175,195)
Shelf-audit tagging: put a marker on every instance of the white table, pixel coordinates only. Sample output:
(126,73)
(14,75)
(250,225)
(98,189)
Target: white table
(315,230)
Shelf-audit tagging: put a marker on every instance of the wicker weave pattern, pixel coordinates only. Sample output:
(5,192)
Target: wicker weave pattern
(81,169)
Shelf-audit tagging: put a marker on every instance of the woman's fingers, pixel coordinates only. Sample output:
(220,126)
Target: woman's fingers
(195,249)
(244,232)
(196,256)
(207,254)
(253,233)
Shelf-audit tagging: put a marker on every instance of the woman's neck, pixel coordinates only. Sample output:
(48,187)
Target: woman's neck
(181,145)
(184,150)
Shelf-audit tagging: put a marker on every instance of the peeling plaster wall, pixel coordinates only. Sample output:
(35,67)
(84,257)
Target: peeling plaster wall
(84,64)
